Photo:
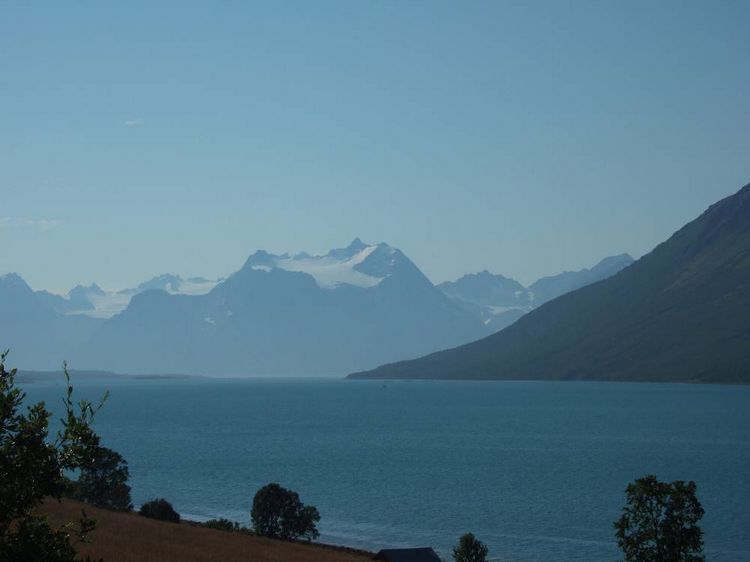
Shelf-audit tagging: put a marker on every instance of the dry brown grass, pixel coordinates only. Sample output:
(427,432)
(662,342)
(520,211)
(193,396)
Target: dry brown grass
(128,537)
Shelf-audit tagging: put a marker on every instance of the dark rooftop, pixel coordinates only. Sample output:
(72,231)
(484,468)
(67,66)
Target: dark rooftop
(407,555)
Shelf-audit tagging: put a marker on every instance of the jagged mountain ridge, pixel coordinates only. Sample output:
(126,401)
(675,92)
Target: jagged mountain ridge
(278,314)
(499,301)
(286,315)
(34,329)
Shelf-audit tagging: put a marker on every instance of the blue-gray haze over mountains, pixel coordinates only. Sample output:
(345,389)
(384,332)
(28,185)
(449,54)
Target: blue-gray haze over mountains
(353,308)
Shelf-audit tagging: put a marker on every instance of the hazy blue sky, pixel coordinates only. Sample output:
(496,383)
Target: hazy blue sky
(521,137)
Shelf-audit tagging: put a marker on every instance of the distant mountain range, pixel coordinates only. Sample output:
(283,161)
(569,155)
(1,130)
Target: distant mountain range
(680,313)
(350,309)
(36,332)
(499,301)
(286,315)
(96,302)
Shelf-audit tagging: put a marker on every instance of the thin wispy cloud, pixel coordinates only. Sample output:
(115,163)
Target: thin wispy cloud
(134,122)
(43,225)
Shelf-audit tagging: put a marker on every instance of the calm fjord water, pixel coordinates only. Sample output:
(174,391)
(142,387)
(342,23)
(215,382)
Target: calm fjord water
(536,470)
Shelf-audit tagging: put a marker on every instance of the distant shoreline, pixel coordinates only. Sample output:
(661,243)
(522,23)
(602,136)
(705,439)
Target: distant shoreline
(32,376)
(611,381)
(28,376)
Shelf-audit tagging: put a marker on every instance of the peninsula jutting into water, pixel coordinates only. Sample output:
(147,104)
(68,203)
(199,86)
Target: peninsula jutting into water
(679,314)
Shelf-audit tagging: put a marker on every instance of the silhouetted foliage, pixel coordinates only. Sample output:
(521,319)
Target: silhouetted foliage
(35,541)
(659,522)
(31,468)
(279,513)
(103,481)
(160,509)
(470,549)
(223,524)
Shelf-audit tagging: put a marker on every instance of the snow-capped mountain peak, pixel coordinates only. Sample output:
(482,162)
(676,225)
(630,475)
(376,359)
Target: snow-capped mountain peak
(340,266)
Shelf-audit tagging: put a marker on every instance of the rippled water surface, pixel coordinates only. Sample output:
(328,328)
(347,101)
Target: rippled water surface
(536,470)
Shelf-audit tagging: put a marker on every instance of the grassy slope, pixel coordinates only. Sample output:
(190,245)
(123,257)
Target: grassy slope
(128,537)
(680,313)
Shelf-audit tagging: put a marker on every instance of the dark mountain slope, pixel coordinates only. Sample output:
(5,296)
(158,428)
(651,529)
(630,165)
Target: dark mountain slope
(680,313)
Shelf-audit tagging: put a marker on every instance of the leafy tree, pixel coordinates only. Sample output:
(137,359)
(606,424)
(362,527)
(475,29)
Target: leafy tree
(660,522)
(470,549)
(161,509)
(103,481)
(32,467)
(278,513)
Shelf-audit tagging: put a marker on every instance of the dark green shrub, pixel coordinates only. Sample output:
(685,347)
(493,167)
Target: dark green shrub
(160,509)
(222,524)
(35,541)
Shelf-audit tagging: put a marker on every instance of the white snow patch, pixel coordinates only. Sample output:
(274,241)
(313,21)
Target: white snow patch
(113,302)
(328,271)
(107,305)
(195,288)
(495,310)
